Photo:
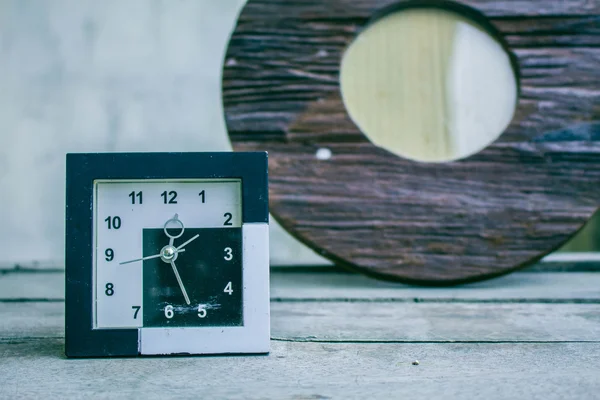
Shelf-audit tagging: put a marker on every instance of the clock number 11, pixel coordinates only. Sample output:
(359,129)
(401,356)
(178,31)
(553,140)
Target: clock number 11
(133,196)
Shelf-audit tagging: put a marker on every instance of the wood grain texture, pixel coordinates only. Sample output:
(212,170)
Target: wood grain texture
(364,208)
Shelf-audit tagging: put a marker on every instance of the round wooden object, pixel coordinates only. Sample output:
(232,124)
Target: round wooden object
(393,218)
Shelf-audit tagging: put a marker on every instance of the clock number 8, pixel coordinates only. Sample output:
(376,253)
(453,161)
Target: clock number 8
(110,289)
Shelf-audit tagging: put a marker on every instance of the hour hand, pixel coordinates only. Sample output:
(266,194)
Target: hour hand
(148,258)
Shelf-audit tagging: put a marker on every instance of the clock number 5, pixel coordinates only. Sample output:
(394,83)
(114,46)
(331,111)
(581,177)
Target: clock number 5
(201,311)
(228,254)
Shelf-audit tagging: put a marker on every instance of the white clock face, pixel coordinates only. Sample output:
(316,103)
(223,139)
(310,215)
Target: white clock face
(168,253)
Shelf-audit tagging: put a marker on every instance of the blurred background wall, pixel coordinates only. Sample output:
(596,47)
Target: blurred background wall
(89,76)
(111,75)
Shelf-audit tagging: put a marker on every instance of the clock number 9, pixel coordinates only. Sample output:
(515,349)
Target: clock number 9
(110,254)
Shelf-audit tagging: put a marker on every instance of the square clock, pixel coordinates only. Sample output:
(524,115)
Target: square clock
(167,254)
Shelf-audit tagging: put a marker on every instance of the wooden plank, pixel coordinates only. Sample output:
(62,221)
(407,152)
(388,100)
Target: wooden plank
(344,9)
(373,322)
(409,322)
(37,369)
(516,287)
(372,211)
(541,287)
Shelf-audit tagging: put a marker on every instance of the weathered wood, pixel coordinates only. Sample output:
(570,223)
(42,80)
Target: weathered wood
(373,321)
(37,369)
(295,286)
(369,210)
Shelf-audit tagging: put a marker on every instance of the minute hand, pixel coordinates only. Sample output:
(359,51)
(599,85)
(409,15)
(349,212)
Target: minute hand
(186,243)
(185,295)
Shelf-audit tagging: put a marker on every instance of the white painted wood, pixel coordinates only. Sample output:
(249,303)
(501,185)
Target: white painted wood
(294,286)
(253,337)
(361,322)
(294,371)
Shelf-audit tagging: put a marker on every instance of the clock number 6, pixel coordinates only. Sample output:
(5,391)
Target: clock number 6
(228,254)
(169,311)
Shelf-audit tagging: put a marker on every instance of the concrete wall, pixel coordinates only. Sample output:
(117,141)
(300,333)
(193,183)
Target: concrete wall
(111,75)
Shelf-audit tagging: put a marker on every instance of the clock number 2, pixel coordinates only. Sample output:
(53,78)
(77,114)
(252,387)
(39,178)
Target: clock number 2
(228,220)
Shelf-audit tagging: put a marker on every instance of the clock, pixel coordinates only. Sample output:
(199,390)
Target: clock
(167,253)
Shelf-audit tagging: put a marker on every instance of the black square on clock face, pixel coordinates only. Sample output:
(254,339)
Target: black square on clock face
(211,274)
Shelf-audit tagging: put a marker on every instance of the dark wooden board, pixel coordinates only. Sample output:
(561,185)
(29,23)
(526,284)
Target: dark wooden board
(392,218)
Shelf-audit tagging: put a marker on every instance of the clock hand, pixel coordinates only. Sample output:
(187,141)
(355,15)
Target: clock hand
(180,248)
(148,258)
(185,295)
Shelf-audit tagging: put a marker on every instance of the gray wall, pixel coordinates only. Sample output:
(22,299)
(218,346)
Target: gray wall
(116,75)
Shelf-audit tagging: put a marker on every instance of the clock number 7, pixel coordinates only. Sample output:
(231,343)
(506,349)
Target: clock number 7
(137,310)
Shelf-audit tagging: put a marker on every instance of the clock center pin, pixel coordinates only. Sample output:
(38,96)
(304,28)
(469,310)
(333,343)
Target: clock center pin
(168,254)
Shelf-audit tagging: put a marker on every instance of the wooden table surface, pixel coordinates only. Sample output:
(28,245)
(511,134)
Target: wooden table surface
(336,335)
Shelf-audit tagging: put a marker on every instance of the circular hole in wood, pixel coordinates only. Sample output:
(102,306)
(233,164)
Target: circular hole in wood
(431,84)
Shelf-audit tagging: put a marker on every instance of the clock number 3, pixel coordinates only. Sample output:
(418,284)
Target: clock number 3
(228,254)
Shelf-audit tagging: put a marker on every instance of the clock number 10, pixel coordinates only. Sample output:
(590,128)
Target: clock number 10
(113,222)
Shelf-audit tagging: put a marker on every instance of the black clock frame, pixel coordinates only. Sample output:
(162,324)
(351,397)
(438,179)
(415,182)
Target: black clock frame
(81,340)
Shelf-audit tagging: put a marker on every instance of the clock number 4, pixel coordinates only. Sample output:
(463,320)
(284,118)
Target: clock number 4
(171,199)
(228,289)
(133,196)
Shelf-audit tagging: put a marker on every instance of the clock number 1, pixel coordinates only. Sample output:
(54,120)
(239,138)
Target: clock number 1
(202,195)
